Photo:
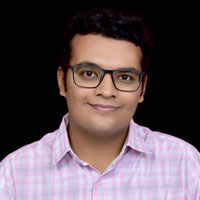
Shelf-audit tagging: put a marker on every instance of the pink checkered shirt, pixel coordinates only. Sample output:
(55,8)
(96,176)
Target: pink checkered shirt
(151,166)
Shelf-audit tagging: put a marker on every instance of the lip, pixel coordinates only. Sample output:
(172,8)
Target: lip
(104,108)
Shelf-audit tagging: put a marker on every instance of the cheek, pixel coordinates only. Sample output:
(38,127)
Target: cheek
(131,102)
(75,95)
(70,93)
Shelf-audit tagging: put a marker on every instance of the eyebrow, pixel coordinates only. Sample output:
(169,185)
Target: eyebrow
(96,65)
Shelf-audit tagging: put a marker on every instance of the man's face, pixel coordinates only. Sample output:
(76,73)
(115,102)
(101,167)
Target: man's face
(102,110)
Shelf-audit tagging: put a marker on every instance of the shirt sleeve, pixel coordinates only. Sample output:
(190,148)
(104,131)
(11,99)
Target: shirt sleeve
(7,189)
(193,174)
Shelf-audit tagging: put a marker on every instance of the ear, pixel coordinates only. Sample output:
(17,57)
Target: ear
(61,82)
(144,83)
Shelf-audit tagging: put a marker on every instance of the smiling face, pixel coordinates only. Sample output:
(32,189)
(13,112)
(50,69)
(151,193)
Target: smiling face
(103,110)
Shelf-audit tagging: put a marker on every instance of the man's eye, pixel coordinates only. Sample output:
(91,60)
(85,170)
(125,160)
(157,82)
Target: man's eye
(88,74)
(125,77)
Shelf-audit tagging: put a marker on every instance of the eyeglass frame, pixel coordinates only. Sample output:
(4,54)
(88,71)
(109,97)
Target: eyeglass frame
(142,75)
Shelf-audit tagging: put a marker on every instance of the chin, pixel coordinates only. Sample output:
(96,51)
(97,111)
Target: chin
(106,125)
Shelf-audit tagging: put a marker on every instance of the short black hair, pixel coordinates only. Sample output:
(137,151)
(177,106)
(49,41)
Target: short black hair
(112,23)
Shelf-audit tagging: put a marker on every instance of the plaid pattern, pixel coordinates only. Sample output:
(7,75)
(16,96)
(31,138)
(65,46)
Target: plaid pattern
(151,166)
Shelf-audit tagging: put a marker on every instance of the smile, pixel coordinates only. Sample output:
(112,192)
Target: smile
(104,108)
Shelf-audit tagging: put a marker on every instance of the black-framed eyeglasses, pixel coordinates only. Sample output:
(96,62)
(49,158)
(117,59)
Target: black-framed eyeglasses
(124,79)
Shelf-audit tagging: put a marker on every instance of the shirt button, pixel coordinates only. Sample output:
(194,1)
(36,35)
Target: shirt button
(99,183)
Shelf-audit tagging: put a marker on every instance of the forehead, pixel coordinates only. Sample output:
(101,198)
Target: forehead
(106,52)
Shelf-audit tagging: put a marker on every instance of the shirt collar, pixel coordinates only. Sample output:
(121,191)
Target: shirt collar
(136,139)
(61,144)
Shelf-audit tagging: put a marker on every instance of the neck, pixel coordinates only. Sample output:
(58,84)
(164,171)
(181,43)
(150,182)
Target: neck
(95,149)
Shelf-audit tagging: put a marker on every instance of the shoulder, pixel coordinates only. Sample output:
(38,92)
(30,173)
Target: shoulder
(18,163)
(158,139)
(163,144)
(177,159)
(30,151)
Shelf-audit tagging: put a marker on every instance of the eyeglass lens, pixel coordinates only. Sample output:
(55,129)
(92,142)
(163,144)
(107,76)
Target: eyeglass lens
(87,76)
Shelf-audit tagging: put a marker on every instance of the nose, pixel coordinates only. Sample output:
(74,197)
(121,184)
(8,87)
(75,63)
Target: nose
(106,88)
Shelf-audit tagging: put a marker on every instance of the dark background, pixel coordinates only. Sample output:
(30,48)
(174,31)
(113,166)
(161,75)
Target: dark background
(31,105)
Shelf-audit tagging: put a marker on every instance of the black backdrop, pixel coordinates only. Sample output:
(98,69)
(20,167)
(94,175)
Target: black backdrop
(31,105)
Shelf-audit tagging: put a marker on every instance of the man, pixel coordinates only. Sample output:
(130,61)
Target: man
(99,152)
